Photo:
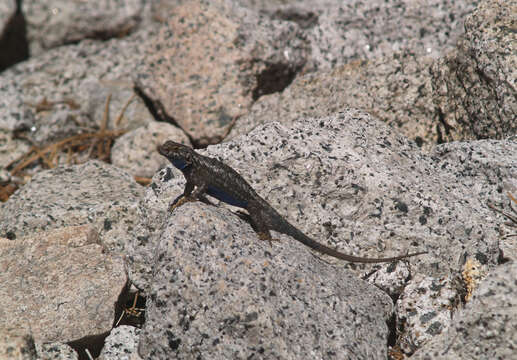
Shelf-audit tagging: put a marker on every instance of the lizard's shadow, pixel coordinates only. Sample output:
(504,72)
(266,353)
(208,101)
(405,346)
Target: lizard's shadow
(246,217)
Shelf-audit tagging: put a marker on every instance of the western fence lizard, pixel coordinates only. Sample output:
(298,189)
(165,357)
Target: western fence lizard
(205,175)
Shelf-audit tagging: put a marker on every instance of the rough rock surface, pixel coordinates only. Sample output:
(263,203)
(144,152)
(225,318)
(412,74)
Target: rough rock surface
(426,307)
(121,344)
(396,89)
(135,151)
(345,179)
(95,193)
(468,94)
(59,285)
(59,22)
(16,344)
(57,93)
(220,293)
(340,32)
(212,60)
(56,351)
(368,187)
(484,329)
(475,86)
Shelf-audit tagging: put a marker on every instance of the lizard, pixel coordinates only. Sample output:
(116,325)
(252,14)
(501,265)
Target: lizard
(206,175)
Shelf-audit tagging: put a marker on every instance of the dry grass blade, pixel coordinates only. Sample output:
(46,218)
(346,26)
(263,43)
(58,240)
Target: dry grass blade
(98,144)
(65,144)
(121,114)
(512,218)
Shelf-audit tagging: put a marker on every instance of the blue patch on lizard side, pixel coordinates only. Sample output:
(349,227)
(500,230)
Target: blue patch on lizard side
(225,197)
(179,163)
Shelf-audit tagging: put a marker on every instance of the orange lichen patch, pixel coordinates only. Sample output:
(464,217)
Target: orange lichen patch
(144,181)
(472,274)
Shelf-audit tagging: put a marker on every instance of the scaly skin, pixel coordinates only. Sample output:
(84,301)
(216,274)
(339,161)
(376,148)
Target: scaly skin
(205,175)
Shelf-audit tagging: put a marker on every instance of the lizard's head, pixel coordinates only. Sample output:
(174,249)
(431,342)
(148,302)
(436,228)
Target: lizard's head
(178,154)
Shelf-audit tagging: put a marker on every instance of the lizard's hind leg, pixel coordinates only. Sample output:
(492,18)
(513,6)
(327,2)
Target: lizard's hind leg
(260,226)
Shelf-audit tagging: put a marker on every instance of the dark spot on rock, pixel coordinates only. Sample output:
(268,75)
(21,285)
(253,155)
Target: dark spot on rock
(174,342)
(107,224)
(401,206)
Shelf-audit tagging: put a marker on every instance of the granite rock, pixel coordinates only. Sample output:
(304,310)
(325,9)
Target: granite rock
(212,60)
(60,285)
(475,86)
(93,193)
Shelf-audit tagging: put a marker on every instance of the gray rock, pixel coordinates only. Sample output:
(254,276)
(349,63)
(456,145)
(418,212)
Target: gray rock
(347,181)
(220,294)
(126,110)
(58,22)
(391,279)
(121,344)
(396,89)
(60,285)
(482,166)
(135,151)
(11,150)
(212,60)
(425,309)
(340,32)
(51,95)
(16,344)
(95,193)
(362,181)
(475,86)
(484,328)
(56,351)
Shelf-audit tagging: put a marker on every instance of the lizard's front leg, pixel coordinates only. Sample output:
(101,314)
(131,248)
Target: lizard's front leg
(185,197)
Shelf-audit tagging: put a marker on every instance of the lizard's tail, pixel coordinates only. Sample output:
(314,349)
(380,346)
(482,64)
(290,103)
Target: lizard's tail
(284,227)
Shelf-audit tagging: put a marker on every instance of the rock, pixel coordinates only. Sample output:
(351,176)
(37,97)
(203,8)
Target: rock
(340,32)
(56,351)
(346,180)
(212,60)
(58,22)
(93,193)
(52,96)
(60,285)
(219,293)
(16,344)
(481,330)
(121,344)
(396,89)
(425,309)
(475,86)
(135,151)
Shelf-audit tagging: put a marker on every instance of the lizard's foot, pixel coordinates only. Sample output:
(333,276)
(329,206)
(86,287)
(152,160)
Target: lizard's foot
(266,237)
(180,202)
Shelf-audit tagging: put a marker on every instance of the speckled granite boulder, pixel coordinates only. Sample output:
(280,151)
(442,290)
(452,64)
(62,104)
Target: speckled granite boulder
(475,86)
(93,193)
(62,286)
(212,60)
(346,180)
